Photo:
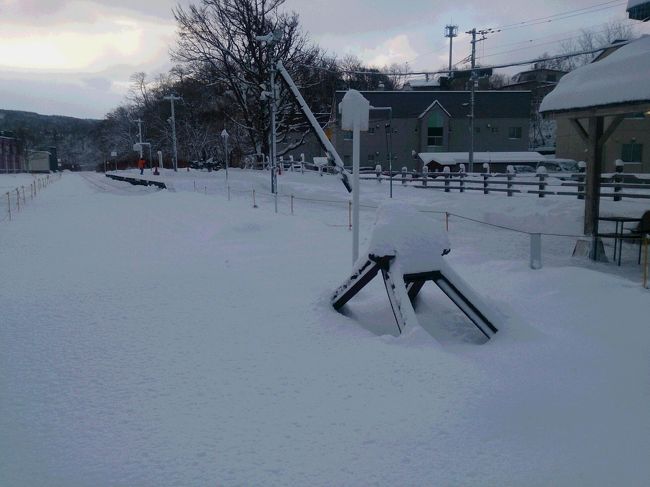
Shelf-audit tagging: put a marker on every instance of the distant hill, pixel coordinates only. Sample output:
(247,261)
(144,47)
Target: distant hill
(74,138)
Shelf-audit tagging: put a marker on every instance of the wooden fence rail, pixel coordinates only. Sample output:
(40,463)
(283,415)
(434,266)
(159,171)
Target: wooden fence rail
(490,182)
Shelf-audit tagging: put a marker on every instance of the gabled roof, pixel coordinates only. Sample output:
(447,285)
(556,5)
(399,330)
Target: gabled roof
(430,107)
(411,104)
(619,79)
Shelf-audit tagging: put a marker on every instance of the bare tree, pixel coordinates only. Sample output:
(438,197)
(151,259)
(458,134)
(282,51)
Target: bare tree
(589,40)
(217,43)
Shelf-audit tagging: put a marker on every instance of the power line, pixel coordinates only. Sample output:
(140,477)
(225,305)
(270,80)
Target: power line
(588,28)
(446,71)
(536,45)
(561,16)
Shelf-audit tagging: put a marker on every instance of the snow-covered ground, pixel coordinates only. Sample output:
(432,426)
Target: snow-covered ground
(156,338)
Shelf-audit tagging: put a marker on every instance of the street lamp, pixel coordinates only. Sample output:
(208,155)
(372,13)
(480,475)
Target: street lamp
(172,98)
(224,136)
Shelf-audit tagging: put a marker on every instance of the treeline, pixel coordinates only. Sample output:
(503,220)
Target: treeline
(74,138)
(222,75)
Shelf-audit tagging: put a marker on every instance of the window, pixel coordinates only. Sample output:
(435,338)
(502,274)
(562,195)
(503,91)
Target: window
(346,160)
(435,129)
(371,130)
(371,158)
(551,77)
(494,130)
(631,152)
(514,133)
(347,135)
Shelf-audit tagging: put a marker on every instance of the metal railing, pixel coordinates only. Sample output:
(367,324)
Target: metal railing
(16,199)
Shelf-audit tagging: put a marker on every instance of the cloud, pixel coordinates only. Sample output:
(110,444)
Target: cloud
(100,84)
(57,11)
(76,56)
(394,50)
(88,37)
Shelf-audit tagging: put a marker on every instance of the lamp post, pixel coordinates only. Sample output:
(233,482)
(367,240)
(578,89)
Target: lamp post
(140,122)
(172,98)
(224,136)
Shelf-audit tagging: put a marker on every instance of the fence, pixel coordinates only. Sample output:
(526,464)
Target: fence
(535,239)
(513,183)
(541,184)
(15,200)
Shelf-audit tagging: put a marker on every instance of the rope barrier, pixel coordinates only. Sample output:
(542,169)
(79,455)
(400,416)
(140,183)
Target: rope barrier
(438,212)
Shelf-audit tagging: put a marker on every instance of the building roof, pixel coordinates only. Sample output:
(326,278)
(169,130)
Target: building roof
(489,104)
(638,9)
(422,83)
(453,158)
(618,79)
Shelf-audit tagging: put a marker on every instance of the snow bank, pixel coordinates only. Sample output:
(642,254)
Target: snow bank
(621,77)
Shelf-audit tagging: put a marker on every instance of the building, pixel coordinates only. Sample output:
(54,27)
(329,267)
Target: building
(638,10)
(38,161)
(540,82)
(630,140)
(11,159)
(435,121)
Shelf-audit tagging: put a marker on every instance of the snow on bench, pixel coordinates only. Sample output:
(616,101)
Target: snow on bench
(409,252)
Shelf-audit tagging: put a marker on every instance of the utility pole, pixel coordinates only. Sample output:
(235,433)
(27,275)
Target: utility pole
(473,83)
(172,98)
(140,122)
(274,175)
(271,39)
(451,31)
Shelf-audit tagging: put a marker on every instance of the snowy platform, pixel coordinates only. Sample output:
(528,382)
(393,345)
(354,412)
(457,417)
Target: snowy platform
(137,179)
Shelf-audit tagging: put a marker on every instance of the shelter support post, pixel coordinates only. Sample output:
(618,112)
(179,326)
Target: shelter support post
(592,190)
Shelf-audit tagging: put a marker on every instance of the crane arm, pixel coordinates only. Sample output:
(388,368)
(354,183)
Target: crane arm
(325,142)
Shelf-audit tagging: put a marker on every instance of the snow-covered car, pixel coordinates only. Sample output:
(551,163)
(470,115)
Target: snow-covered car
(559,166)
(523,169)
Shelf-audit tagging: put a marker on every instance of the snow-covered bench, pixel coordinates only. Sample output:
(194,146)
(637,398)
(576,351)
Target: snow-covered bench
(408,253)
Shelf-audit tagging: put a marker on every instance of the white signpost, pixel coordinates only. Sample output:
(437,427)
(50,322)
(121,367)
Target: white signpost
(224,136)
(355,112)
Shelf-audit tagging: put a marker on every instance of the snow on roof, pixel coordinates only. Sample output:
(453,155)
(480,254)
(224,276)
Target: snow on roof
(634,3)
(423,82)
(621,77)
(453,158)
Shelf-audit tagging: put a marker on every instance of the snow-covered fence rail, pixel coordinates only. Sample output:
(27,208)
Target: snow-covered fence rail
(16,199)
(541,184)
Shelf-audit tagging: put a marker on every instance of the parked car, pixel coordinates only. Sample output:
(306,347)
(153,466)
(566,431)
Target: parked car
(523,169)
(559,166)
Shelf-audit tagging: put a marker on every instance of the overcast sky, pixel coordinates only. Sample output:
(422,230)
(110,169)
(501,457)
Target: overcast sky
(74,57)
